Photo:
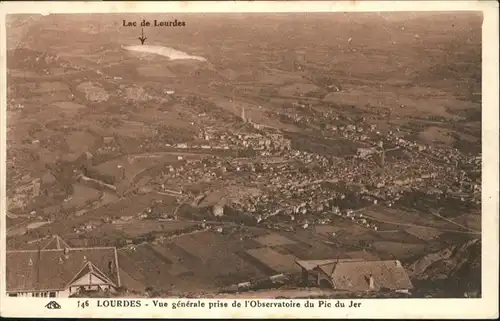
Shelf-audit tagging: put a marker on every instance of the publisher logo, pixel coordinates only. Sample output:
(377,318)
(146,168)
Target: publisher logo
(53,305)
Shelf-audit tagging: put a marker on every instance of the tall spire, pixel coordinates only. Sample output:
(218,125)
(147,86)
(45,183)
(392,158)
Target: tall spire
(243,117)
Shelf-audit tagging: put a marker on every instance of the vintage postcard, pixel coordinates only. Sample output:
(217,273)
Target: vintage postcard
(249,159)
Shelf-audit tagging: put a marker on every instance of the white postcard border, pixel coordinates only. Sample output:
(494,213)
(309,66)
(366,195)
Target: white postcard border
(485,307)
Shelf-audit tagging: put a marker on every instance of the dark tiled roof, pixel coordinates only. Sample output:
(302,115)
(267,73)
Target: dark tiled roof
(53,270)
(355,275)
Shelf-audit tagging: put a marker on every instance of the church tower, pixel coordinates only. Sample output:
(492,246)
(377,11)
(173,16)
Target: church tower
(243,117)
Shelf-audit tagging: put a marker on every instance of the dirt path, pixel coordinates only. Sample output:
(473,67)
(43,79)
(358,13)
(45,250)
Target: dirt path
(454,223)
(16,226)
(422,226)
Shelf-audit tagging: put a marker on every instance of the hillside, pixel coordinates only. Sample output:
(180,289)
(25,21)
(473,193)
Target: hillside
(278,145)
(454,270)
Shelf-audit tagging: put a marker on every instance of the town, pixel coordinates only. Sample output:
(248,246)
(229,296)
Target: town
(160,172)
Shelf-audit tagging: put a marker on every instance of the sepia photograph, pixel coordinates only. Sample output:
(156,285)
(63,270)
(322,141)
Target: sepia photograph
(244,155)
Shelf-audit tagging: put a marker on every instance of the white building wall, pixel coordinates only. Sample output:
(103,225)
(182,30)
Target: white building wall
(88,282)
(40,294)
(63,294)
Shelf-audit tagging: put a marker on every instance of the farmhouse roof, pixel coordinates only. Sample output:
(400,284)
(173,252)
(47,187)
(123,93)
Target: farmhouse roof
(309,265)
(56,243)
(354,275)
(89,268)
(55,269)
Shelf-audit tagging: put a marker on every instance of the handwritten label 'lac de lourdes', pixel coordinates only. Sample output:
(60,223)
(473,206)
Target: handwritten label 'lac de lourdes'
(155,23)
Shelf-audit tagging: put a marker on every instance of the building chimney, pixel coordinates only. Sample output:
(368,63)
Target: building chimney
(110,267)
(372,282)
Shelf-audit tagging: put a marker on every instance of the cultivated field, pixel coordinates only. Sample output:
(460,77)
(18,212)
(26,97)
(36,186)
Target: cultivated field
(136,150)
